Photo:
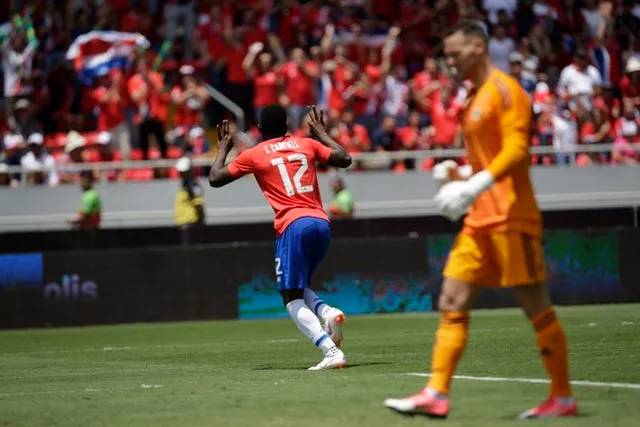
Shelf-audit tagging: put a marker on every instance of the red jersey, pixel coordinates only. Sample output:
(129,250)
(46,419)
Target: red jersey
(285,169)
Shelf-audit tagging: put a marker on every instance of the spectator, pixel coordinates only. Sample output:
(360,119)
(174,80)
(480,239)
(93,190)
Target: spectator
(147,91)
(591,16)
(299,76)
(39,165)
(627,126)
(630,83)
(90,211)
(529,61)
(342,205)
(353,136)
(196,144)
(541,46)
(25,122)
(5,180)
(564,134)
(578,79)
(492,7)
(17,60)
(623,153)
(239,86)
(426,87)
(500,47)
(265,79)
(517,73)
(396,91)
(73,155)
(385,137)
(596,130)
(445,119)
(110,100)
(189,98)
(13,148)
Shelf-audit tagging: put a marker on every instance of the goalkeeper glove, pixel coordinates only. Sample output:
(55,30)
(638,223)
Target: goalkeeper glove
(454,198)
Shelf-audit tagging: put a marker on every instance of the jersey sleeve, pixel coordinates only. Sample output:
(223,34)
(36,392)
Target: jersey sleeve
(321,151)
(242,165)
(514,113)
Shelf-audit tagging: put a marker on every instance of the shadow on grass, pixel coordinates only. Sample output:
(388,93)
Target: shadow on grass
(304,368)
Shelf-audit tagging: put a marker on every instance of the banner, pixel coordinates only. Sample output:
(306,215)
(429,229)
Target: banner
(583,267)
(97,287)
(230,281)
(359,276)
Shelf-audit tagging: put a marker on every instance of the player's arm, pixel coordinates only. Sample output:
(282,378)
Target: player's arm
(221,175)
(514,113)
(336,155)
(515,126)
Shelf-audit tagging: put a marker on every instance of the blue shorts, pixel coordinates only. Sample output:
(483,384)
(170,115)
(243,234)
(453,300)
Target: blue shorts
(299,252)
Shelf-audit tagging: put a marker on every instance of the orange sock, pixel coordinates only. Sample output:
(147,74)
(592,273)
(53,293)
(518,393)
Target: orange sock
(451,339)
(553,347)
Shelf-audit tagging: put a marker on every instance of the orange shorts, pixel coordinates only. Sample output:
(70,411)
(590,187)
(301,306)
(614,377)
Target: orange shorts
(496,259)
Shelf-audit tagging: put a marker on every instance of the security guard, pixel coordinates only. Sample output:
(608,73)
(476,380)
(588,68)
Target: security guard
(189,206)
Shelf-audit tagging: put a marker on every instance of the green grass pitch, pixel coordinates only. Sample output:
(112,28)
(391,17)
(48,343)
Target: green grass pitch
(253,373)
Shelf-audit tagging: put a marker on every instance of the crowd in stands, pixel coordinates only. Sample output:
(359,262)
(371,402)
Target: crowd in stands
(375,67)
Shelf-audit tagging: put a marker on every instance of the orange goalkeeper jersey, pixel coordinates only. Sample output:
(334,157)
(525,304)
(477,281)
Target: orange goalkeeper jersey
(496,127)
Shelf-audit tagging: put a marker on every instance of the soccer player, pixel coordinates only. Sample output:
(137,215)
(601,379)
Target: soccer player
(284,167)
(500,243)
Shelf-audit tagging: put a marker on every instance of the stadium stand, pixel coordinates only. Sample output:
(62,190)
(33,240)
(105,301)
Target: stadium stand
(375,66)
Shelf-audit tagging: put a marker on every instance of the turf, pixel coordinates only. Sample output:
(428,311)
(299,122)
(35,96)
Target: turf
(227,374)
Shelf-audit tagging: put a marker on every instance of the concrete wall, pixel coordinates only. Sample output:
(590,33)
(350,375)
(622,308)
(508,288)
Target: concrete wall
(376,194)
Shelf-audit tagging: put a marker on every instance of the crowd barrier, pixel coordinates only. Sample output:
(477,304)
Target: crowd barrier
(378,158)
(236,280)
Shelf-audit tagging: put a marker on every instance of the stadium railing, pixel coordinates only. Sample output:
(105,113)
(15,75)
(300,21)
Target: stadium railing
(373,157)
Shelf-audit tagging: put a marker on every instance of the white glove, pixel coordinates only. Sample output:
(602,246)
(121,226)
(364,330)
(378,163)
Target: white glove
(441,171)
(454,198)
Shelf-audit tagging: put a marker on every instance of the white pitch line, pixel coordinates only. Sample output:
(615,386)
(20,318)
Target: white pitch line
(533,381)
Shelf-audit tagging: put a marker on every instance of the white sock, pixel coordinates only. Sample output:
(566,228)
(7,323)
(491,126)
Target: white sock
(310,326)
(315,303)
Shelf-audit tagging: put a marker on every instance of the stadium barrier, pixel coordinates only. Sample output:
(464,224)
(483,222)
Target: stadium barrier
(35,240)
(378,160)
(236,281)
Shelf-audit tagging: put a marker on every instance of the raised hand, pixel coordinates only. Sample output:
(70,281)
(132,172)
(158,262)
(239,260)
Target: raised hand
(225,141)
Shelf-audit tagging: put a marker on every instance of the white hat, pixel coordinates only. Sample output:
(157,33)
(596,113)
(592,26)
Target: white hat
(12,141)
(22,104)
(196,132)
(74,141)
(187,70)
(104,138)
(183,164)
(633,65)
(542,87)
(36,138)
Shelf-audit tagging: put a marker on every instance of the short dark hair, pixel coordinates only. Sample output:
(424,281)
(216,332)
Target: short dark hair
(470,28)
(273,121)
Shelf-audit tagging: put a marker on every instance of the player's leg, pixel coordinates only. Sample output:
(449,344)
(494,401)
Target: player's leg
(466,265)
(333,318)
(292,275)
(524,269)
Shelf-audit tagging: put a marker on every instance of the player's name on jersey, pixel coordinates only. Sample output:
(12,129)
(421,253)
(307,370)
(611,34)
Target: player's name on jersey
(279,146)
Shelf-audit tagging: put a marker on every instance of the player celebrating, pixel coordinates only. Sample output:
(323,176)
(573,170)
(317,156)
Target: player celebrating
(284,167)
(500,243)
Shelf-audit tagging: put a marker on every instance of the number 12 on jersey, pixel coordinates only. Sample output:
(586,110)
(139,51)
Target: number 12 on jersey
(297,178)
